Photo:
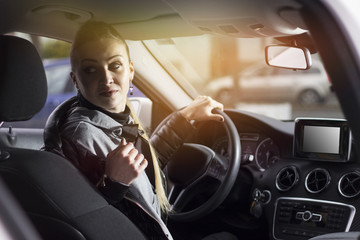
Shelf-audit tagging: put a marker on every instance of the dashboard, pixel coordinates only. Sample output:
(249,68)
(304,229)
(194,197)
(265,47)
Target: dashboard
(302,192)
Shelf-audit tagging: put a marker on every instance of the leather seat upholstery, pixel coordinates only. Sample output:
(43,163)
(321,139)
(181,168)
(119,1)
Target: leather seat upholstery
(61,203)
(52,139)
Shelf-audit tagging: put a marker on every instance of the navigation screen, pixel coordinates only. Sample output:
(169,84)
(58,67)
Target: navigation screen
(321,139)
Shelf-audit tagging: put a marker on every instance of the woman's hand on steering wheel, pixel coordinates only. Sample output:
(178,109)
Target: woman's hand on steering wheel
(201,109)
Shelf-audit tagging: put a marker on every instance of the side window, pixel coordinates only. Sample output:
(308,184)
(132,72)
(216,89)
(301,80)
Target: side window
(58,78)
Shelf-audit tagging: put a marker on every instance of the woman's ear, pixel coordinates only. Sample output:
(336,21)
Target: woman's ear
(73,78)
(132,70)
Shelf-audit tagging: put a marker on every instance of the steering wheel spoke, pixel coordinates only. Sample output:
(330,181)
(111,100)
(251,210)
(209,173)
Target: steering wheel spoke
(217,168)
(181,196)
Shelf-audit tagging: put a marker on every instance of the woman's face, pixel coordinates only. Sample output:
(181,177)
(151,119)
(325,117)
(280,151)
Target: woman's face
(103,72)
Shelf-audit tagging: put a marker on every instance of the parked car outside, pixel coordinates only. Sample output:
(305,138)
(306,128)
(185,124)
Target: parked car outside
(259,82)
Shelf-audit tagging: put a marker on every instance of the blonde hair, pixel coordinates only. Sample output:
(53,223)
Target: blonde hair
(159,185)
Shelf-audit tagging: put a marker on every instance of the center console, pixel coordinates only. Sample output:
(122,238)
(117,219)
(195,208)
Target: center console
(302,218)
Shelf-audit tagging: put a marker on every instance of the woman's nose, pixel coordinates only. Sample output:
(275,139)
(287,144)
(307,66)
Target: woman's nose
(107,77)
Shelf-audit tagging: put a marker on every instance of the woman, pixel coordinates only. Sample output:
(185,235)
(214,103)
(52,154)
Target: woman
(103,138)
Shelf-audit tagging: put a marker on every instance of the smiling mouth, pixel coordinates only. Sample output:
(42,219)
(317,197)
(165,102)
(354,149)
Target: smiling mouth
(108,93)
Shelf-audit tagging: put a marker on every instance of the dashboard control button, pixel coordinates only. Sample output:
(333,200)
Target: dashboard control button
(299,215)
(307,216)
(316,217)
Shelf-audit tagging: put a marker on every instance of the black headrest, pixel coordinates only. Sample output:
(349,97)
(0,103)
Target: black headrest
(23,86)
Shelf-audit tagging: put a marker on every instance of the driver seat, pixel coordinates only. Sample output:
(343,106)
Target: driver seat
(57,198)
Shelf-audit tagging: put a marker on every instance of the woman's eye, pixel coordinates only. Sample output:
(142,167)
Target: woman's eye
(114,65)
(90,69)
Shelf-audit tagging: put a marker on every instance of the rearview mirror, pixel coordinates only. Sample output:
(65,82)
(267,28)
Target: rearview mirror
(285,56)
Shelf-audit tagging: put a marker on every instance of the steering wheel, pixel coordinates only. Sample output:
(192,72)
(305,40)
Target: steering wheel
(195,164)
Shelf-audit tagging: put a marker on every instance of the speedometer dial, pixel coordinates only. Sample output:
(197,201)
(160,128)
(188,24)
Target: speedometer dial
(267,153)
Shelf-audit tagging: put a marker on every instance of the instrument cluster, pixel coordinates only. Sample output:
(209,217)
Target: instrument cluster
(255,149)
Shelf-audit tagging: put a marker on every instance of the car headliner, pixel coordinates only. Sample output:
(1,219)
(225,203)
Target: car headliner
(144,19)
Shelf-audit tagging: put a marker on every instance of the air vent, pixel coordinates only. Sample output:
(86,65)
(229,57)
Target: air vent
(287,178)
(317,180)
(349,184)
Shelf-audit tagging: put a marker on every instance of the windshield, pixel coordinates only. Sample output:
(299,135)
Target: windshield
(233,71)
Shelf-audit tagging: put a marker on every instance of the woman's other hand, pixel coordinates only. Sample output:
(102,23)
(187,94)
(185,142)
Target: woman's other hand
(125,163)
(201,110)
